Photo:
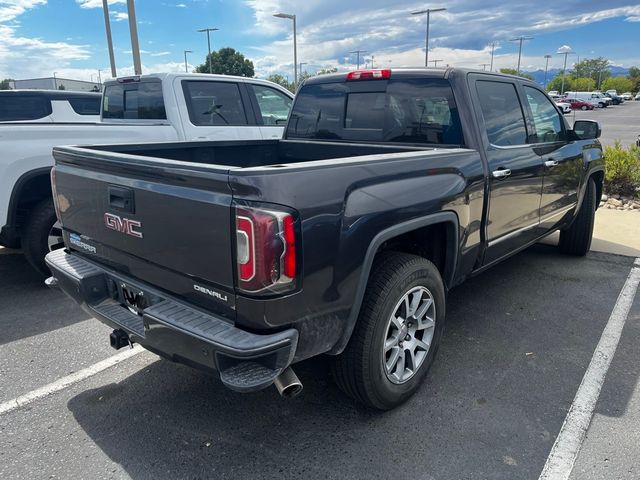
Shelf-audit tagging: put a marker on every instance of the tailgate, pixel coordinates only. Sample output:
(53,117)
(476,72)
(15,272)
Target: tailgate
(154,220)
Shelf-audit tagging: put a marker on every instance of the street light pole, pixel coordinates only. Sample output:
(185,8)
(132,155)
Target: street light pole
(301,64)
(493,47)
(484,66)
(208,30)
(435,62)
(564,50)
(295,46)
(185,60)
(358,52)
(428,11)
(546,68)
(133,30)
(520,39)
(107,26)
(55,81)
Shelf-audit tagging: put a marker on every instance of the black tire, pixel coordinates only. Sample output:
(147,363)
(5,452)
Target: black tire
(359,369)
(36,233)
(576,240)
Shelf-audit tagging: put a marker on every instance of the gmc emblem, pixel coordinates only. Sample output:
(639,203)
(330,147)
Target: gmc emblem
(124,225)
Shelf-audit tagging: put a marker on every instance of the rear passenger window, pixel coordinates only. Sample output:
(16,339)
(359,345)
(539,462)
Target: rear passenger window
(86,105)
(134,101)
(502,113)
(18,107)
(274,105)
(214,103)
(546,118)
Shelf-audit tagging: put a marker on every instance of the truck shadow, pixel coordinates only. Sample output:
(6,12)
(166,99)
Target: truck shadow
(27,307)
(518,340)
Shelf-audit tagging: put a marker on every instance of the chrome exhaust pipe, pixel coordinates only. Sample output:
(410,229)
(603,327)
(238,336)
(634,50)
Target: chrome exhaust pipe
(288,383)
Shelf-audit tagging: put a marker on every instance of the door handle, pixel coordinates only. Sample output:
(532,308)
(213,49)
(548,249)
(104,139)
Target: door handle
(551,163)
(501,173)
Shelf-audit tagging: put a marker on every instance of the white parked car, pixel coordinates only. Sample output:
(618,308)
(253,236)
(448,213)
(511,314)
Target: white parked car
(627,96)
(637,97)
(49,106)
(156,107)
(564,107)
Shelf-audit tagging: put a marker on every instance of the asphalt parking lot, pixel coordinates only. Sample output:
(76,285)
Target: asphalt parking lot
(619,122)
(518,341)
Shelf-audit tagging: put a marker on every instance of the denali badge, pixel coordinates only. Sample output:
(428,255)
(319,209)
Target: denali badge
(124,225)
(212,293)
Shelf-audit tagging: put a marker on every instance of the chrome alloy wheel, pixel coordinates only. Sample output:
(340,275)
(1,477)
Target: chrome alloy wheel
(55,240)
(409,334)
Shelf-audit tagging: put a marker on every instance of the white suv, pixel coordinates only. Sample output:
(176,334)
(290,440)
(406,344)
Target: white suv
(49,106)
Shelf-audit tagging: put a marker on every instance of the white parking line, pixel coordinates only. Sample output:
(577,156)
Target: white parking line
(567,446)
(69,380)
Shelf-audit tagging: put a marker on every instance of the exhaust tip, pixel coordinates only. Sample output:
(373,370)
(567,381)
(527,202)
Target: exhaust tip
(288,384)
(51,282)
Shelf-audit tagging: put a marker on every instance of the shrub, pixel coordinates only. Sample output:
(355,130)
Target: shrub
(622,169)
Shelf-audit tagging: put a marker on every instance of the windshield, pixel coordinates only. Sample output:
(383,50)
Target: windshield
(420,110)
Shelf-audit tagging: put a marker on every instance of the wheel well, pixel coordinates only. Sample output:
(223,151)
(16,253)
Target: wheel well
(429,242)
(598,178)
(27,193)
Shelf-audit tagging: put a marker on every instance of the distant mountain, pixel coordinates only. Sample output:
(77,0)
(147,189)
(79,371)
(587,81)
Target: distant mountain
(538,75)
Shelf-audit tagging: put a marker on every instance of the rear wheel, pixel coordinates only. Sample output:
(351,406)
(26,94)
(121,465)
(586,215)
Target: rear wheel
(397,334)
(583,107)
(41,235)
(576,240)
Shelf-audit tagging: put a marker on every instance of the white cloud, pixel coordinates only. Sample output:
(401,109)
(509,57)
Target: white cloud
(181,5)
(119,16)
(10,9)
(97,3)
(160,54)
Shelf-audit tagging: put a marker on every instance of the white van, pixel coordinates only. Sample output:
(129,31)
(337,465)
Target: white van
(597,99)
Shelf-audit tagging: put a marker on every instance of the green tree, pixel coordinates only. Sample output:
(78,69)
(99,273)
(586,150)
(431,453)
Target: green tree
(227,61)
(513,71)
(583,84)
(325,71)
(280,80)
(556,83)
(6,84)
(620,84)
(595,68)
(634,72)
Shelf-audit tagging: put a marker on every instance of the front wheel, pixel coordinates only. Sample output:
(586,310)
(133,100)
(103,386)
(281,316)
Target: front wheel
(397,333)
(576,240)
(583,107)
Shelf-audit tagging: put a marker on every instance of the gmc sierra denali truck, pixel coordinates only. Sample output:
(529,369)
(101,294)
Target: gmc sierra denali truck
(388,189)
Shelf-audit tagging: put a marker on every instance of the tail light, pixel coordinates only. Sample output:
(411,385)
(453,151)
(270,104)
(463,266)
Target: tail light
(265,250)
(369,74)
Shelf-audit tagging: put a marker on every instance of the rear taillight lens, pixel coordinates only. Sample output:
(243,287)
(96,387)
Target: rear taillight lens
(265,250)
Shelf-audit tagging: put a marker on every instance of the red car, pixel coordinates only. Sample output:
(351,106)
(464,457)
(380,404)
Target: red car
(578,104)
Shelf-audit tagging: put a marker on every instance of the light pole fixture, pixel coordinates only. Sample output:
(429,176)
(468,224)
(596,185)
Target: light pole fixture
(185,60)
(493,46)
(564,50)
(520,39)
(428,11)
(133,31)
(107,26)
(435,62)
(208,30)
(484,66)
(295,46)
(358,52)
(546,68)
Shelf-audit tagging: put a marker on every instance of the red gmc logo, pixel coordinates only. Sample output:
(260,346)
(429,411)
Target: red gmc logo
(124,225)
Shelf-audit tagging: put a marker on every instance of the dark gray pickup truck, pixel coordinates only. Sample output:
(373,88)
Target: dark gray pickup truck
(388,189)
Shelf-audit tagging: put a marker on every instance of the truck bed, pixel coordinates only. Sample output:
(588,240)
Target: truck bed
(245,154)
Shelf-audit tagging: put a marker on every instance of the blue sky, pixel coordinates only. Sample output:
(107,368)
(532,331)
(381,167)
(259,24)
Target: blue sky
(38,37)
